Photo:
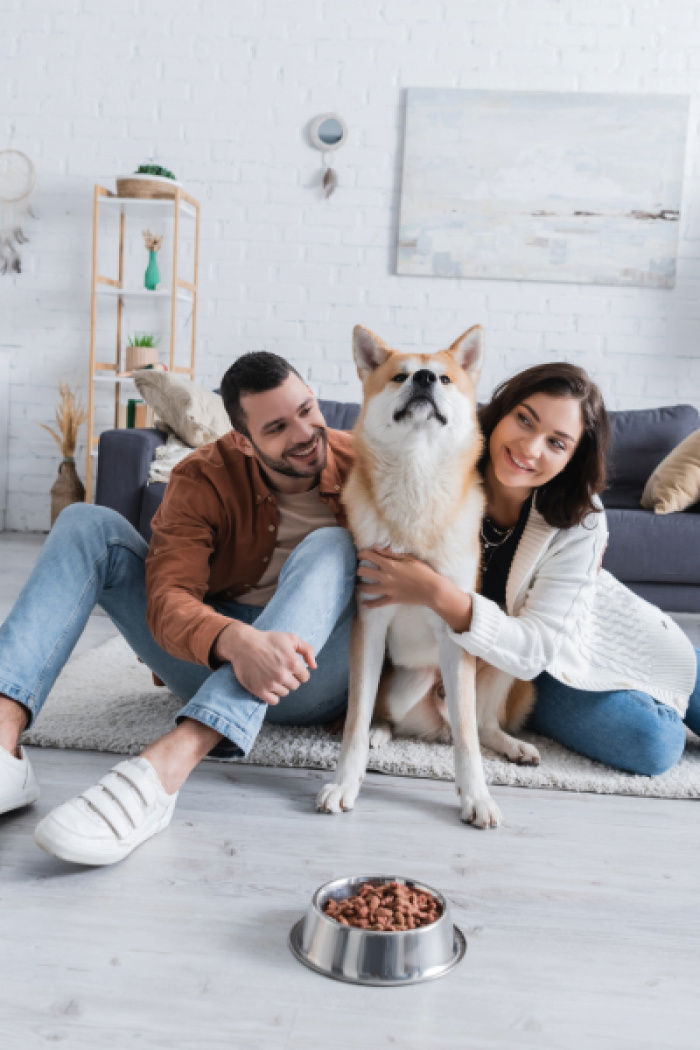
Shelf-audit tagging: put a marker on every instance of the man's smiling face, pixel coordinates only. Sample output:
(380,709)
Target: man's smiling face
(286,433)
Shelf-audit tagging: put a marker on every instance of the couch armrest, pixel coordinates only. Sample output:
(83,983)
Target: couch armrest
(123,460)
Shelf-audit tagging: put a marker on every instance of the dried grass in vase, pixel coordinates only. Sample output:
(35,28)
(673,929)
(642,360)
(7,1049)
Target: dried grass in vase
(153,242)
(70,416)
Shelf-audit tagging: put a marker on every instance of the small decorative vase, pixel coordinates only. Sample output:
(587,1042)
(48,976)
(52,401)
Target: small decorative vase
(152,278)
(66,489)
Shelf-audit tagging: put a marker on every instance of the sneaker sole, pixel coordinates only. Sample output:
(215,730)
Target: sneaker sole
(25,798)
(82,855)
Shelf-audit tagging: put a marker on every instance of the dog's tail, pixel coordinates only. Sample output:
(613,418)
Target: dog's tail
(519,704)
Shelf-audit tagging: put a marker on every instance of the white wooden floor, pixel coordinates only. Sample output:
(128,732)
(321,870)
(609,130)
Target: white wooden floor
(581,916)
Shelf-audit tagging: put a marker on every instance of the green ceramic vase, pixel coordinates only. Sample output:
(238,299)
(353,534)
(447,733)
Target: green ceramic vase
(152,278)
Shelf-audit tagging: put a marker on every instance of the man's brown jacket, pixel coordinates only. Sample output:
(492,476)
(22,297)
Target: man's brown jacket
(213,535)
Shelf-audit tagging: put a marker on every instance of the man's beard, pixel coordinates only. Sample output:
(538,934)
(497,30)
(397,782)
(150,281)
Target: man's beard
(291,470)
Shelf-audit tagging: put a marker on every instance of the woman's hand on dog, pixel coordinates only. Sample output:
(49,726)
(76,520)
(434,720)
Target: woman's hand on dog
(395,579)
(269,664)
(403,579)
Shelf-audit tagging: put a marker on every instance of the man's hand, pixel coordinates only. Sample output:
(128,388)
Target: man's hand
(269,664)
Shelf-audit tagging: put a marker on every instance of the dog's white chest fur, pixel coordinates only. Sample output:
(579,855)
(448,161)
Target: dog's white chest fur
(421,509)
(412,639)
(412,631)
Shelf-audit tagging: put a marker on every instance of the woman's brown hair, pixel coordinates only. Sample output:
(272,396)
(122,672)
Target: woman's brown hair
(568,497)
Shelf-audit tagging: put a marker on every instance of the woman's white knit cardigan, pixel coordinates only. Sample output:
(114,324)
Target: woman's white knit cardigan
(584,627)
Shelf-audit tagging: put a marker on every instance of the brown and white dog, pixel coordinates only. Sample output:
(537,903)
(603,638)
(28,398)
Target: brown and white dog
(416,489)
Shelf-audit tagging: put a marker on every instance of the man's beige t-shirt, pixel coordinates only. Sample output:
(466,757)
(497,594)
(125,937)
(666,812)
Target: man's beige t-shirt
(299,514)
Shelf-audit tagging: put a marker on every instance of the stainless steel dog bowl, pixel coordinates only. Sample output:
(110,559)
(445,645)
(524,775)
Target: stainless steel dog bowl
(373,956)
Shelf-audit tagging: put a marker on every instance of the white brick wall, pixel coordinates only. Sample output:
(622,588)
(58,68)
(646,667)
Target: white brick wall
(222,91)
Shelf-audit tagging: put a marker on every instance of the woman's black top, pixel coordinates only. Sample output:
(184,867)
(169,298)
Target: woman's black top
(496,561)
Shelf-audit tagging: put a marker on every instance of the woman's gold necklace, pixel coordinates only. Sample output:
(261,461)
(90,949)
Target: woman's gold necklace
(489,546)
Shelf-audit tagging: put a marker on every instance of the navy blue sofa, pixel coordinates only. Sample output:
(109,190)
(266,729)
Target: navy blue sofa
(658,556)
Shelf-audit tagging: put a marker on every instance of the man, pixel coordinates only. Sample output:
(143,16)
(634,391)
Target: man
(242,606)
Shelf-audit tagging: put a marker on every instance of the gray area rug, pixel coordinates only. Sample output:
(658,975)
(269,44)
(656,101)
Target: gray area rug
(105,700)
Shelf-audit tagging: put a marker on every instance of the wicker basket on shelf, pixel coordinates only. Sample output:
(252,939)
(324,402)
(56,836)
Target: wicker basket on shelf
(149,187)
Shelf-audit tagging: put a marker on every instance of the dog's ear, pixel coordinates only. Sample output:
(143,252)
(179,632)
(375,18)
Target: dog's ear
(368,350)
(468,350)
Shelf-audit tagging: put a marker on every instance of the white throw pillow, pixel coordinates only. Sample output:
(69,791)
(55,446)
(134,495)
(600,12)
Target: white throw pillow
(167,456)
(195,415)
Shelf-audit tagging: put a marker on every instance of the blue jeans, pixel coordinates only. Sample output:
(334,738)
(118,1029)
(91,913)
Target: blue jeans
(625,729)
(93,556)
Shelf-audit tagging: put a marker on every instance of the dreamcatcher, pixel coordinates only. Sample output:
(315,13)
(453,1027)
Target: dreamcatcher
(17,181)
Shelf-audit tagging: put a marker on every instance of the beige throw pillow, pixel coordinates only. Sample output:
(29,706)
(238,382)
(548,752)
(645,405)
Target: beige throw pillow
(195,415)
(675,484)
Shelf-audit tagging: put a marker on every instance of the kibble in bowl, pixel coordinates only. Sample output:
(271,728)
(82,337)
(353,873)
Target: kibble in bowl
(379,930)
(390,908)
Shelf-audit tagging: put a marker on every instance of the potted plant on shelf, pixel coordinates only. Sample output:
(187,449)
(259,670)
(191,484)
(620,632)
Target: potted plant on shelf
(148,181)
(70,416)
(141,350)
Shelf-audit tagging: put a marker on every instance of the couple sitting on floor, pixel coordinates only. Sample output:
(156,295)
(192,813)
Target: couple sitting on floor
(243,603)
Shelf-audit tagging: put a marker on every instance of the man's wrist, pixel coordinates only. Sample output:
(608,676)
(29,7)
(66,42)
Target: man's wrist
(229,640)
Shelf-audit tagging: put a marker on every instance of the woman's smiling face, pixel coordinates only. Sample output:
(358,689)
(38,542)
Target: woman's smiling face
(535,441)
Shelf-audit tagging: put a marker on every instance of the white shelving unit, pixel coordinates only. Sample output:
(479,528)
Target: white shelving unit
(181,207)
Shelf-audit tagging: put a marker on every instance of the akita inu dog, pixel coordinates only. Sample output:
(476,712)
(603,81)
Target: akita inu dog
(415,488)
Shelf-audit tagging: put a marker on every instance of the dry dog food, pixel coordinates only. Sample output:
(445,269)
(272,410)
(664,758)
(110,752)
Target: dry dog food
(392,906)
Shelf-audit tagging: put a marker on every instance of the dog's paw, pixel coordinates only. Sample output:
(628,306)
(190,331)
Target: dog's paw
(444,735)
(379,736)
(481,812)
(525,754)
(336,798)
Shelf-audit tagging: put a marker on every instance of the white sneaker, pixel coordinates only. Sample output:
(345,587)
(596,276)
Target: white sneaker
(18,786)
(109,820)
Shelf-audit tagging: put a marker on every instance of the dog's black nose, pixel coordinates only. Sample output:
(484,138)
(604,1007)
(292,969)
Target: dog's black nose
(424,377)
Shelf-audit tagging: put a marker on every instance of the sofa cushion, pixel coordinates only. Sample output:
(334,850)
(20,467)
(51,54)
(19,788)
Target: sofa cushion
(152,499)
(339,415)
(124,459)
(640,439)
(622,497)
(647,548)
(195,415)
(675,484)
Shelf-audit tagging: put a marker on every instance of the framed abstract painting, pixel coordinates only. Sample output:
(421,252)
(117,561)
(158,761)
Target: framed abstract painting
(542,186)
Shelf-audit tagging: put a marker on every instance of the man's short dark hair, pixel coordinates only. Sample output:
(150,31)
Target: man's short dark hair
(252,374)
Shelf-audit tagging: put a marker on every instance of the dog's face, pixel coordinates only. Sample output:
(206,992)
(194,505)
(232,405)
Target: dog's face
(406,395)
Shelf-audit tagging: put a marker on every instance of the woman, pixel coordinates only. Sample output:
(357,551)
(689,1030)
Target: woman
(615,677)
